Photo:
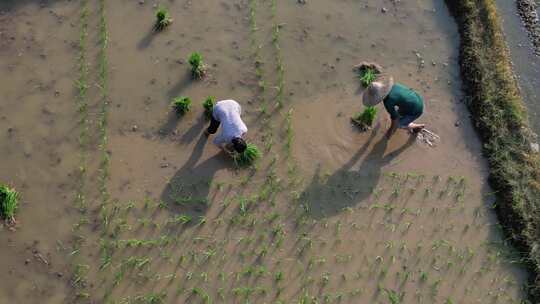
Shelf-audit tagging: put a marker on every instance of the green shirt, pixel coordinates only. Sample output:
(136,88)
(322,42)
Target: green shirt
(407,101)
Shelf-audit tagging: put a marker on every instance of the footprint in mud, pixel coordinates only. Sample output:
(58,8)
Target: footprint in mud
(328,196)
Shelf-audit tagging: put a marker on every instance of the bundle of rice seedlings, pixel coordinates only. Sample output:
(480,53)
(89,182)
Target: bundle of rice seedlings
(248,157)
(198,68)
(181,105)
(9,202)
(208,106)
(162,19)
(364,120)
(367,76)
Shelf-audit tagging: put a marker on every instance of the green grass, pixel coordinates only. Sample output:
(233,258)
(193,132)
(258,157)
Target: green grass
(248,157)
(208,106)
(181,105)
(9,203)
(500,116)
(163,19)
(197,65)
(365,119)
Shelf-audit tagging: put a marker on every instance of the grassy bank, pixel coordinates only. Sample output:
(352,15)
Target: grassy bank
(500,117)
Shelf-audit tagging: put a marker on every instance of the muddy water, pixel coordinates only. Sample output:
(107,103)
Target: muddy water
(38,145)
(330,213)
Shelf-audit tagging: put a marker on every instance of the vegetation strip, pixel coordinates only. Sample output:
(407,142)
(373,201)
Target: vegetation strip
(500,117)
(78,280)
(279,60)
(102,82)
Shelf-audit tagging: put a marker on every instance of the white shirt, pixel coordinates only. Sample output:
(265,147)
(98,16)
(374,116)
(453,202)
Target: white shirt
(228,112)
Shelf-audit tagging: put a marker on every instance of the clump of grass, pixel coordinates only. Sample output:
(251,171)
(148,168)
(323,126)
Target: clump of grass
(198,68)
(248,157)
(163,19)
(9,202)
(208,106)
(367,75)
(364,120)
(181,105)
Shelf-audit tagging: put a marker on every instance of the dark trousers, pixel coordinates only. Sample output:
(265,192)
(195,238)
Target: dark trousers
(214,125)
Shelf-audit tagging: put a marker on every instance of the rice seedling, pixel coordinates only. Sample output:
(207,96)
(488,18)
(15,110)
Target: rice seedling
(208,106)
(82,102)
(151,298)
(181,105)
(198,69)
(9,203)
(79,275)
(163,19)
(248,157)
(367,75)
(364,120)
(393,296)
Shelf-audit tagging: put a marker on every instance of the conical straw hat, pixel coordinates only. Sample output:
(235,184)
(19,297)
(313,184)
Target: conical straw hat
(377,91)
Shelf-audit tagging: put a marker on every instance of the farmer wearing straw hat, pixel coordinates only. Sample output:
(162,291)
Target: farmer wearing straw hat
(402,103)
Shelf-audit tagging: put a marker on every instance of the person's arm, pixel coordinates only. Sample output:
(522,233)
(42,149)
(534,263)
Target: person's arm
(394,117)
(213,127)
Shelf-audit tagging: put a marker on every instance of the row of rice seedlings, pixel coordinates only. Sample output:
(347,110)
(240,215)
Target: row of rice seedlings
(383,270)
(279,59)
(256,53)
(105,211)
(79,275)
(82,103)
(103,118)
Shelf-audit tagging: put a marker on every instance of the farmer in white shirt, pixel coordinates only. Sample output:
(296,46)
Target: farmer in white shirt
(227,114)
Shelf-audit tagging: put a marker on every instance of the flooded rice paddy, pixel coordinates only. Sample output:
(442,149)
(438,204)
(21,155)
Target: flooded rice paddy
(123,202)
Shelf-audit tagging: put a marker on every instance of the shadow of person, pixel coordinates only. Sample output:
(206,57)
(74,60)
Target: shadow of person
(187,191)
(326,197)
(195,130)
(170,125)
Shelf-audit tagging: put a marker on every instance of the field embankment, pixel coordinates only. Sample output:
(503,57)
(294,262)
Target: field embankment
(500,117)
